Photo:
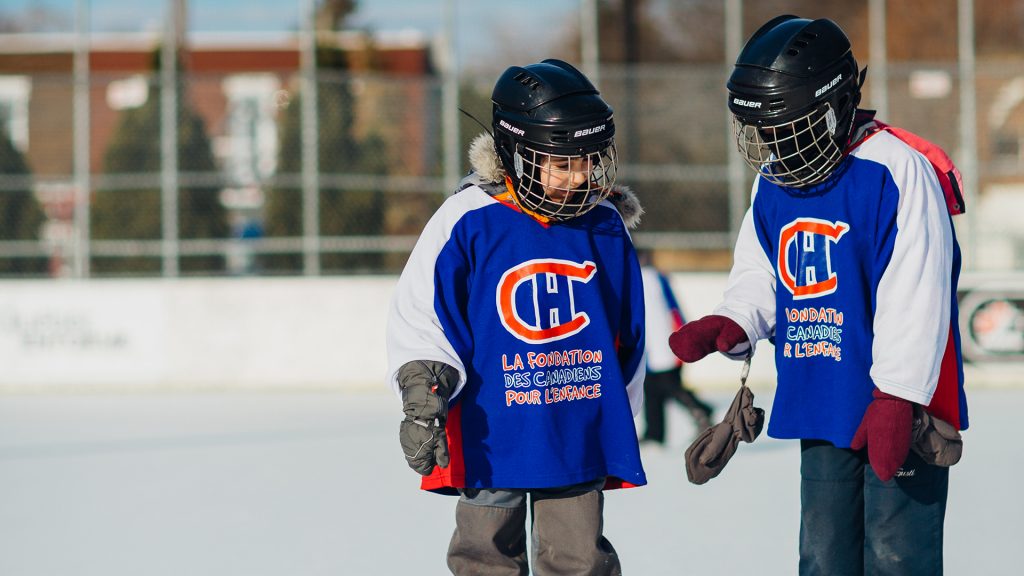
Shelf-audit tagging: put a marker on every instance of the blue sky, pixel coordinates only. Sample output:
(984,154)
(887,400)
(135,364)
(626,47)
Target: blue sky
(483,26)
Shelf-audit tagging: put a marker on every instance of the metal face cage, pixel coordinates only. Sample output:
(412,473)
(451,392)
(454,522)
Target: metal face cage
(562,187)
(795,154)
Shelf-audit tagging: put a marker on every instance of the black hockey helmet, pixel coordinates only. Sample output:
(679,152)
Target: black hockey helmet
(554,132)
(793,94)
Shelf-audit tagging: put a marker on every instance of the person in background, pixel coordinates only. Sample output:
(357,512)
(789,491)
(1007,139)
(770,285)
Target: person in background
(664,380)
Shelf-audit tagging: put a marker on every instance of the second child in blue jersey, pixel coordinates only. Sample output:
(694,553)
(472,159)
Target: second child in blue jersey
(516,335)
(848,262)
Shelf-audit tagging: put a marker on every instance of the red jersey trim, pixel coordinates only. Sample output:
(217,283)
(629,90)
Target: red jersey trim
(946,400)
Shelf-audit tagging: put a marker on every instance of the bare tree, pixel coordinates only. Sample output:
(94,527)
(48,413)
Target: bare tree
(331,14)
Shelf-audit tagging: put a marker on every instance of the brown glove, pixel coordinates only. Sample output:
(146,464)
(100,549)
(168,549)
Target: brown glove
(711,451)
(936,441)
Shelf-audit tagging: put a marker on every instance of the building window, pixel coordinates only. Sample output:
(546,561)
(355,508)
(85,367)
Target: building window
(248,149)
(14,95)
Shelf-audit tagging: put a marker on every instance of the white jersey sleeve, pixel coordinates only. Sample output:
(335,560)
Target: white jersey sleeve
(750,291)
(414,330)
(913,299)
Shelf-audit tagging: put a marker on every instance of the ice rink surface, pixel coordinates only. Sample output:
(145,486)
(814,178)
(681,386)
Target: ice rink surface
(269,483)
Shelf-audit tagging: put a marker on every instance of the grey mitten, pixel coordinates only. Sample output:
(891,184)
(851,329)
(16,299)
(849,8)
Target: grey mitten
(426,386)
(936,441)
(710,452)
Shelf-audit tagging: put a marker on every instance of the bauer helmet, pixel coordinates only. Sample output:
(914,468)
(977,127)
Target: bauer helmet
(555,136)
(793,94)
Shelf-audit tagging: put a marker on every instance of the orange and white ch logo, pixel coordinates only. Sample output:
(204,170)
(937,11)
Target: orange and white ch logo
(536,302)
(805,263)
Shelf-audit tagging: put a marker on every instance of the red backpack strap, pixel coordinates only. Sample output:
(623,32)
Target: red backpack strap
(948,174)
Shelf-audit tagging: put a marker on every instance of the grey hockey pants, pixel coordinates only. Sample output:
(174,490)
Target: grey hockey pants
(566,536)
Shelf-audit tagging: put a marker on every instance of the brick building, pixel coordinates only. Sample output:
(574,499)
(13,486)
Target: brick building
(226,75)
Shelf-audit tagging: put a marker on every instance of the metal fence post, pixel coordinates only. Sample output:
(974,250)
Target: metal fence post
(737,191)
(310,142)
(169,137)
(879,58)
(450,100)
(589,48)
(82,193)
(968,125)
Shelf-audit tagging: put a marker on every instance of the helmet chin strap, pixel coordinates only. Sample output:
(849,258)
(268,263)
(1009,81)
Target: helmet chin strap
(510,194)
(517,162)
(851,125)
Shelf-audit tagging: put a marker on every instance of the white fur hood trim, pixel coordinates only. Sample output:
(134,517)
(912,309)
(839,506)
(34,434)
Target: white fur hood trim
(485,162)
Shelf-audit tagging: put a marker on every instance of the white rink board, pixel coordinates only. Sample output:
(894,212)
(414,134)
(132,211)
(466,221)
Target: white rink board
(234,332)
(221,332)
(256,332)
(96,333)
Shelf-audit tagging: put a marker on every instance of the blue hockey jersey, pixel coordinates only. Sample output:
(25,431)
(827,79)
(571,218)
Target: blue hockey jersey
(545,326)
(855,281)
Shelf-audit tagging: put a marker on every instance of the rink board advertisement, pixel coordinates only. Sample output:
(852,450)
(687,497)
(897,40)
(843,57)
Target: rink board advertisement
(187,333)
(81,333)
(329,332)
(992,319)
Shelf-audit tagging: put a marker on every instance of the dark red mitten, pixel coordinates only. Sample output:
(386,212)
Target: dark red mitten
(885,430)
(699,338)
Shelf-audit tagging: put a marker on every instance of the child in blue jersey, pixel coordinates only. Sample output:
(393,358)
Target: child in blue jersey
(847,260)
(516,335)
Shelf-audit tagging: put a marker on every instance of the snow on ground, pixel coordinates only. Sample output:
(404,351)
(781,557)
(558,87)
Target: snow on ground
(269,483)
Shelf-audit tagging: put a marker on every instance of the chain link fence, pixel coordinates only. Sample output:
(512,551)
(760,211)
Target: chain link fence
(242,198)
